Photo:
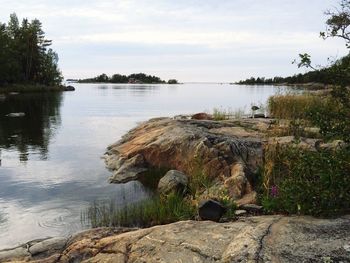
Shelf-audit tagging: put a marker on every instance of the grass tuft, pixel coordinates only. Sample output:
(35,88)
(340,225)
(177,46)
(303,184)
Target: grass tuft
(155,211)
(293,106)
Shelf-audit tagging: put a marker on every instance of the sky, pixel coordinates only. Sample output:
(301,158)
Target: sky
(189,40)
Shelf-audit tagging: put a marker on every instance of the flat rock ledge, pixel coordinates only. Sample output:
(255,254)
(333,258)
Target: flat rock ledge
(251,239)
(228,151)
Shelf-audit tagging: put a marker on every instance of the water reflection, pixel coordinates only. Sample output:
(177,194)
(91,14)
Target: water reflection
(33,131)
(45,195)
(2,218)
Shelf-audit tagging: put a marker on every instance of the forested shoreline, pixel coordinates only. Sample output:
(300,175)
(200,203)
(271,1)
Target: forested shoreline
(323,76)
(25,55)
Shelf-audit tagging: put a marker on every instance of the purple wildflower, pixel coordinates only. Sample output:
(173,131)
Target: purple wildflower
(274,191)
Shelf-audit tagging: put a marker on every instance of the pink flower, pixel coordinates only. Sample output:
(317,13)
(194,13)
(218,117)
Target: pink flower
(274,191)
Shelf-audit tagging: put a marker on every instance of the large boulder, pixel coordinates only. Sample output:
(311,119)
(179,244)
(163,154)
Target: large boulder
(229,152)
(211,210)
(173,181)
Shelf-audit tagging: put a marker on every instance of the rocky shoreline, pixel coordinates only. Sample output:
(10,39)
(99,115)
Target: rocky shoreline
(251,239)
(230,152)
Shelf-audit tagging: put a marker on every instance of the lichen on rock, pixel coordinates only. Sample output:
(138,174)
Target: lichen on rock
(229,152)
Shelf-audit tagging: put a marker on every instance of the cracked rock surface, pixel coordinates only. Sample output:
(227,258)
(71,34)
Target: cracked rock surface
(251,239)
(228,151)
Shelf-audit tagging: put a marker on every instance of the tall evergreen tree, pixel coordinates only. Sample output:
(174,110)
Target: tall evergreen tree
(25,56)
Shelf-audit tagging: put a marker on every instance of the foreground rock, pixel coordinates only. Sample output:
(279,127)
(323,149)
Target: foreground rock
(253,239)
(227,151)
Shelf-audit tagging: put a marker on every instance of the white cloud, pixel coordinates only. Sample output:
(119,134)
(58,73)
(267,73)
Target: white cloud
(84,31)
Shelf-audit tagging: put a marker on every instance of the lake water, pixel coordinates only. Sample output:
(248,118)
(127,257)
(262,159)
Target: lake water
(51,167)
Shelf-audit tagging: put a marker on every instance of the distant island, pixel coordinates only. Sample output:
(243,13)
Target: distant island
(136,78)
(317,77)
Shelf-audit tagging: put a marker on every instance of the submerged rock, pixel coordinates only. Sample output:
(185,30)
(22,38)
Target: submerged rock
(173,181)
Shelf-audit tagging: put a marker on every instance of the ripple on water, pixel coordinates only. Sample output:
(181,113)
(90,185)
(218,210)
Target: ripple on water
(51,168)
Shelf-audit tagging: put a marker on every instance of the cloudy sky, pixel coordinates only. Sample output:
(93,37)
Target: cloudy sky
(191,40)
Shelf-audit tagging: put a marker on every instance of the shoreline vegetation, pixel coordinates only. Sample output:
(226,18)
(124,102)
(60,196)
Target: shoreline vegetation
(26,57)
(135,78)
(28,88)
(315,79)
(28,64)
(304,168)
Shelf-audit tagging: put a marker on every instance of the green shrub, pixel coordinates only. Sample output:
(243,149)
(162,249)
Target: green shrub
(333,118)
(230,205)
(298,181)
(155,211)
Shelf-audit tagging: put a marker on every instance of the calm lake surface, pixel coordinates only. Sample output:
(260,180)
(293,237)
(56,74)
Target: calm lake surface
(51,167)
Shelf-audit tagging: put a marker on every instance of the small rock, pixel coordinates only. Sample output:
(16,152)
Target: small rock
(173,181)
(337,144)
(259,115)
(69,88)
(19,252)
(201,116)
(16,114)
(211,210)
(48,245)
(252,208)
(181,117)
(240,212)
(13,93)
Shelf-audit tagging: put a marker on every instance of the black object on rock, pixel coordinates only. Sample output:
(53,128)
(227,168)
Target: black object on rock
(211,210)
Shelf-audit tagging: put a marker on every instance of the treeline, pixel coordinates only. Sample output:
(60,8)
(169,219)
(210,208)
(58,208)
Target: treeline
(338,71)
(25,56)
(133,78)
